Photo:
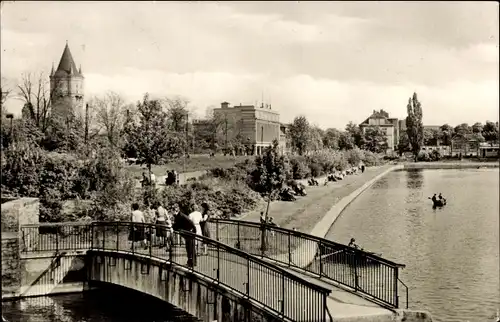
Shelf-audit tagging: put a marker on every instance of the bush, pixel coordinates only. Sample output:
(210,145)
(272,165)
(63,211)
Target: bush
(435,155)
(299,167)
(354,156)
(423,156)
(221,195)
(22,165)
(315,169)
(370,159)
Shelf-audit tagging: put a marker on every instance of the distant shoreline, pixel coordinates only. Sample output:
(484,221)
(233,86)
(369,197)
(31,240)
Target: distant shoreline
(451,165)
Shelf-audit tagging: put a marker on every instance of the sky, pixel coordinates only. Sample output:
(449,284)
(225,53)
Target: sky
(333,62)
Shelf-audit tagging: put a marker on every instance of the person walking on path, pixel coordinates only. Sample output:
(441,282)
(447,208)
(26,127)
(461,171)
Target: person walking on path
(182,222)
(137,228)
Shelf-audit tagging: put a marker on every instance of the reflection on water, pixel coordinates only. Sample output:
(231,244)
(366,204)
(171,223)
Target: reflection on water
(414,178)
(113,304)
(452,253)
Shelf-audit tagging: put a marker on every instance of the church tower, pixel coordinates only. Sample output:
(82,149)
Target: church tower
(66,87)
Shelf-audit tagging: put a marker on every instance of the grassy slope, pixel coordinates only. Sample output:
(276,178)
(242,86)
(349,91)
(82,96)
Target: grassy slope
(194,163)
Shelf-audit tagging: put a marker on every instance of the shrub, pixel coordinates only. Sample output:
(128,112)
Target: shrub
(370,159)
(435,155)
(315,169)
(22,165)
(299,167)
(354,156)
(423,156)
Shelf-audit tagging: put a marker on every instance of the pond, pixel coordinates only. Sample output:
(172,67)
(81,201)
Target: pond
(111,304)
(451,253)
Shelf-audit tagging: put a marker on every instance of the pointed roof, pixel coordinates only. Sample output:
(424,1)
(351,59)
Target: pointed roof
(67,65)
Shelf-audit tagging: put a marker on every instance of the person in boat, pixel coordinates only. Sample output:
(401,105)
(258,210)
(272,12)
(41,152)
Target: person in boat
(440,196)
(353,244)
(434,199)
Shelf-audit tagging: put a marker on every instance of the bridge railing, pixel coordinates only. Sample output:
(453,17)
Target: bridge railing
(54,237)
(359,271)
(289,296)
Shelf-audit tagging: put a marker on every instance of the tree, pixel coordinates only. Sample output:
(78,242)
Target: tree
(110,115)
(414,125)
(374,140)
(35,93)
(151,139)
(355,133)
(404,143)
(5,93)
(300,134)
(490,132)
(447,133)
(431,137)
(463,131)
(177,113)
(316,139)
(477,127)
(331,139)
(269,176)
(346,141)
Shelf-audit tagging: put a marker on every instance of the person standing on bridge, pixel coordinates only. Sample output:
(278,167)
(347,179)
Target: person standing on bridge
(206,213)
(161,224)
(137,229)
(182,222)
(196,217)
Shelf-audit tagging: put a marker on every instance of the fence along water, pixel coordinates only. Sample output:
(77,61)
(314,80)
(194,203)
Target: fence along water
(354,269)
(290,297)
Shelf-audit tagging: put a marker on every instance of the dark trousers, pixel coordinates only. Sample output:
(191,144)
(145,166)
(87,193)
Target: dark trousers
(190,242)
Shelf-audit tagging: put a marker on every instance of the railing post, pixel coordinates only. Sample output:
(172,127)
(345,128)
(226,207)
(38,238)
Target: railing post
(396,295)
(320,259)
(92,235)
(117,237)
(104,237)
(325,307)
(57,239)
(282,294)
(218,262)
(238,244)
(150,241)
(289,250)
(248,276)
(217,230)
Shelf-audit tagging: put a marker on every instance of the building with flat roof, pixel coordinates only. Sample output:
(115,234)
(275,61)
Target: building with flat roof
(257,126)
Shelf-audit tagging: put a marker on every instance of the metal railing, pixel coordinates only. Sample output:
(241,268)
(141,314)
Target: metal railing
(55,237)
(288,296)
(356,270)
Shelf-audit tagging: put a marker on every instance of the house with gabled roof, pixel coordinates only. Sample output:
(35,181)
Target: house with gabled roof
(390,126)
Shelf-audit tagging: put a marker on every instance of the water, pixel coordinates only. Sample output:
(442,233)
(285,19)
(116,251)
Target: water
(451,254)
(113,304)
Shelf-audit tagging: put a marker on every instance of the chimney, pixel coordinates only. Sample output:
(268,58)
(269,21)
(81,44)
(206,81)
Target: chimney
(224,105)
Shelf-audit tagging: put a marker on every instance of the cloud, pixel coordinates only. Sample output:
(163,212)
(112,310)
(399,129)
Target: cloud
(332,61)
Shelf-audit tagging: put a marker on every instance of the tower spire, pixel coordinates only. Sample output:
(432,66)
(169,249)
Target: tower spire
(80,69)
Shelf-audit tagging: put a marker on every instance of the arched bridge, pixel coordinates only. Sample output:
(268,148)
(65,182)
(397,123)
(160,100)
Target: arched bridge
(226,284)
(270,272)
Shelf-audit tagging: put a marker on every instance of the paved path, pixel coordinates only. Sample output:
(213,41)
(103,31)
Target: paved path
(304,213)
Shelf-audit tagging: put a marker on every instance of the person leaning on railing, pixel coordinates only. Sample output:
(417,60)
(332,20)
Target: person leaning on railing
(182,222)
